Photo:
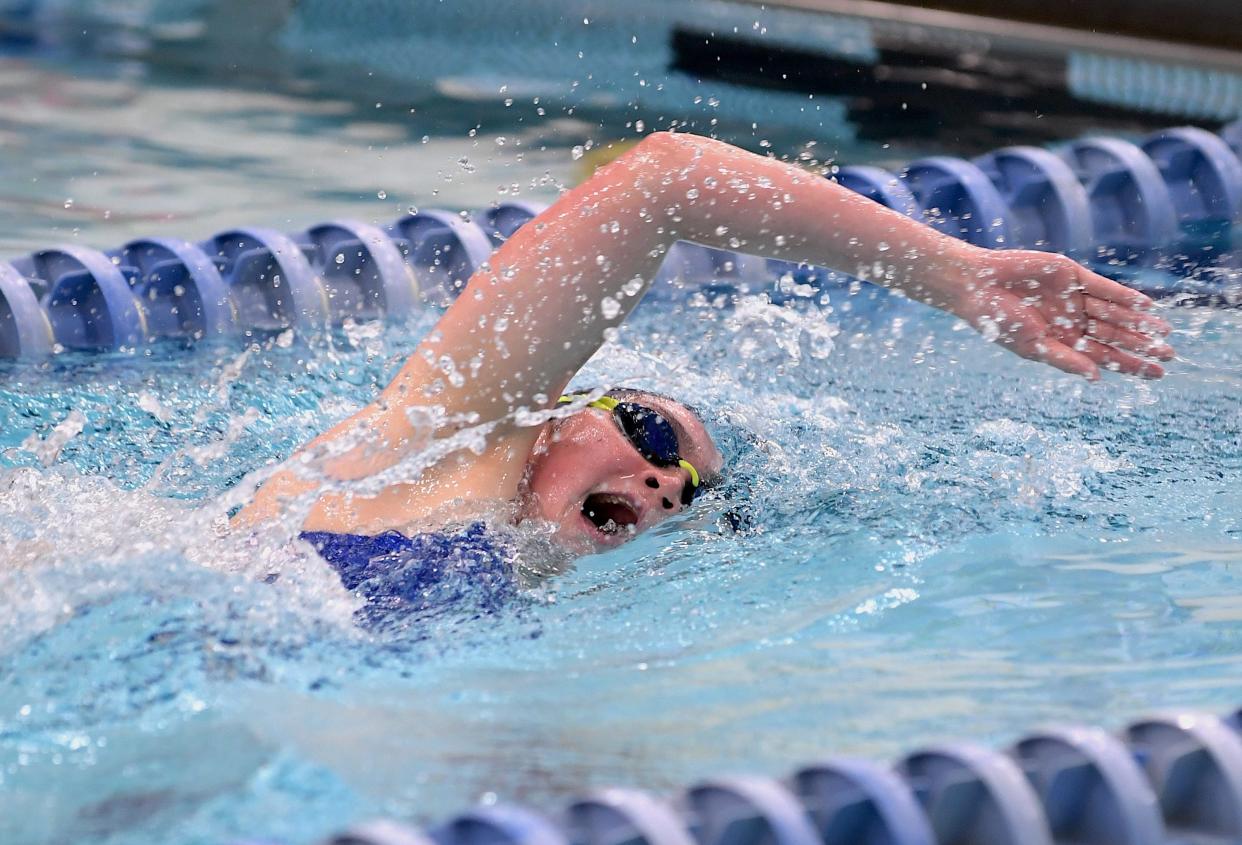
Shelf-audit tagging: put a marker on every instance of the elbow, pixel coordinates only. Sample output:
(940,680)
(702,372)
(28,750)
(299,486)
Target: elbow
(669,149)
(660,141)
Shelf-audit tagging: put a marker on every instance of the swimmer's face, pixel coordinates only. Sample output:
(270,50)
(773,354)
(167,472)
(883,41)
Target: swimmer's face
(586,477)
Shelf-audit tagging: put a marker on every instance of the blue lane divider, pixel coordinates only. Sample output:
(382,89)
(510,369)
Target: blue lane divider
(623,817)
(179,287)
(24,329)
(1048,208)
(363,273)
(1131,208)
(504,219)
(86,298)
(976,796)
(1091,788)
(381,832)
(1170,201)
(742,810)
(959,199)
(443,249)
(876,183)
(1194,762)
(499,825)
(1166,779)
(1232,135)
(1204,178)
(853,801)
(270,278)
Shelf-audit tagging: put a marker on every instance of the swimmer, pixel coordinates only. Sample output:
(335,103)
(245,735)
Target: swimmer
(614,463)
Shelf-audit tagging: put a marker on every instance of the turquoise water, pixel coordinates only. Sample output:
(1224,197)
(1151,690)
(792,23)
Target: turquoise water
(921,536)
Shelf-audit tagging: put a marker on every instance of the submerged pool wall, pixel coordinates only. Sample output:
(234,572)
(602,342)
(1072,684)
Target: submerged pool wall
(1147,213)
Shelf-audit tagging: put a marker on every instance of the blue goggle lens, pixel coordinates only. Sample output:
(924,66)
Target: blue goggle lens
(650,433)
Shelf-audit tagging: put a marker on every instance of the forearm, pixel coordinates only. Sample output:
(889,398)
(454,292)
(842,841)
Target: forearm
(731,199)
(529,320)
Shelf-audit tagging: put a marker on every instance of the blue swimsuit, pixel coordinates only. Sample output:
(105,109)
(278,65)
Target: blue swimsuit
(403,577)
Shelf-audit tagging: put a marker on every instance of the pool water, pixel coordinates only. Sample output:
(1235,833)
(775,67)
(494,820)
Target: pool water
(921,536)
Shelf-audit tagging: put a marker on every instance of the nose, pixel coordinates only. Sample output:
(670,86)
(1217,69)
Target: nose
(669,483)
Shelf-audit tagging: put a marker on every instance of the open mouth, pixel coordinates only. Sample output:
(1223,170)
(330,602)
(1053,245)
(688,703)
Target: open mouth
(609,513)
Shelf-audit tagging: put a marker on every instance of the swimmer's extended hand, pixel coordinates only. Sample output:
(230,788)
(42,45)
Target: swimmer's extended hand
(1049,308)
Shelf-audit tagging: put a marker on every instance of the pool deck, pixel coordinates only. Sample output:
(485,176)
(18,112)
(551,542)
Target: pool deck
(1156,30)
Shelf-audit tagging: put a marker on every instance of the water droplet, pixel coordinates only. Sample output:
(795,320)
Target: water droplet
(382,194)
(609,307)
(577,152)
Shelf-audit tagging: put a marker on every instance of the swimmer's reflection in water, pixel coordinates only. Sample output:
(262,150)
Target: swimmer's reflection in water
(600,467)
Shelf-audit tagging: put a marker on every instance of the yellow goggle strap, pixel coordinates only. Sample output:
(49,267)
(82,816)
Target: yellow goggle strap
(604,403)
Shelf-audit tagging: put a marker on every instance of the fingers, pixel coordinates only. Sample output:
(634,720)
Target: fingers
(1063,358)
(1132,341)
(1126,318)
(1118,360)
(1096,285)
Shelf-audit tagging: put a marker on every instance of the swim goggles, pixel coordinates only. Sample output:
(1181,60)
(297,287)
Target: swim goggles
(651,434)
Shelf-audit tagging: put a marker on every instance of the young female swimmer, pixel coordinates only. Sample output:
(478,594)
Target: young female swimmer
(604,470)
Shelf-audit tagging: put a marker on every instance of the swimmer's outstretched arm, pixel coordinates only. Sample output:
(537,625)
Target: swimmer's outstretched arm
(529,319)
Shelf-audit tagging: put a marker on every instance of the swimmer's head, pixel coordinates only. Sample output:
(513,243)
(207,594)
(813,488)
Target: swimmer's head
(587,478)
